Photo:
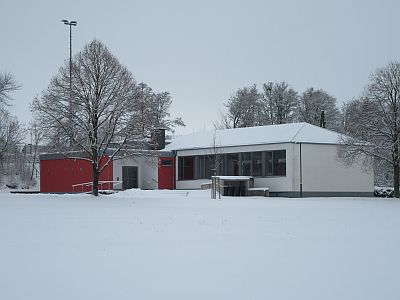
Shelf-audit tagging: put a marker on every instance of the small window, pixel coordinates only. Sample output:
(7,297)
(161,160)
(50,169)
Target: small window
(166,162)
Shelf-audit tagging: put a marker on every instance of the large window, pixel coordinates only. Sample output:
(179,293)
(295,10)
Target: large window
(279,163)
(203,166)
(257,163)
(275,163)
(261,163)
(246,164)
(200,167)
(186,167)
(268,164)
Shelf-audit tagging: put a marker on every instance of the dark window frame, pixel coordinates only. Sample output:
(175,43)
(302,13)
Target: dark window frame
(184,167)
(273,164)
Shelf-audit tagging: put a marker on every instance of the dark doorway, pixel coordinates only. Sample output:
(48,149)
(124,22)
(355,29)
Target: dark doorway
(129,177)
(232,164)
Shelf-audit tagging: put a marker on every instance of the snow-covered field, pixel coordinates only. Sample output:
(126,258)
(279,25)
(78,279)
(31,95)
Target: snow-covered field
(183,245)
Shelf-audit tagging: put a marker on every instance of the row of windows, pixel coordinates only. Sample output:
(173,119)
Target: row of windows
(261,163)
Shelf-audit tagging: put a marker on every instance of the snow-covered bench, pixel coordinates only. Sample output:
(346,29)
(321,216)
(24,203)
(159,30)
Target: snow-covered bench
(264,192)
(205,186)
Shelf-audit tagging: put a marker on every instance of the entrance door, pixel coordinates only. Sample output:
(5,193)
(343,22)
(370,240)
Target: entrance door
(232,164)
(129,177)
(166,173)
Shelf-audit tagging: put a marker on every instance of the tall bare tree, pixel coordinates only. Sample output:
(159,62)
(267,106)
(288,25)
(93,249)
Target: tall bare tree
(312,102)
(276,104)
(141,113)
(279,103)
(151,111)
(160,116)
(99,108)
(242,109)
(373,121)
(11,136)
(8,84)
(11,132)
(37,136)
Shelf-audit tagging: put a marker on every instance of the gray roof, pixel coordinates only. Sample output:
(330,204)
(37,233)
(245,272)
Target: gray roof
(260,135)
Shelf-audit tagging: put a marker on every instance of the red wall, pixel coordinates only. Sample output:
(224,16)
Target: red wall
(58,175)
(166,174)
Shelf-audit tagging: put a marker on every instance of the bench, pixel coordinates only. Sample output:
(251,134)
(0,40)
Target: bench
(206,186)
(263,192)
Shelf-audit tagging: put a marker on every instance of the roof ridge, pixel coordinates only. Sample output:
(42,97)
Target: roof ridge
(298,131)
(257,135)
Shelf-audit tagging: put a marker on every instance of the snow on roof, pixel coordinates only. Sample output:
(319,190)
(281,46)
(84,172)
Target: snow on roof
(271,134)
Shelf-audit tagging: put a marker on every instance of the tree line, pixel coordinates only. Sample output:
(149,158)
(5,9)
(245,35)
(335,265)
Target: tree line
(369,123)
(12,133)
(278,103)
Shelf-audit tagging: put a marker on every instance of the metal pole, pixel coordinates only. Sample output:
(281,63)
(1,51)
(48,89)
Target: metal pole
(301,175)
(219,188)
(70,67)
(70,24)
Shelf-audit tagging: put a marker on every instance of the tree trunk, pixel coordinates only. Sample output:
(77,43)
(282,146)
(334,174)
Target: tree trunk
(95,189)
(33,164)
(396,171)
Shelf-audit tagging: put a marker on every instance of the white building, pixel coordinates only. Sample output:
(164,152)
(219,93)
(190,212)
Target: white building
(289,159)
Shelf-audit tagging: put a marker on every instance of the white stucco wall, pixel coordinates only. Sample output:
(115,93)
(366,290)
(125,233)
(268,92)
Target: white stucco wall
(321,168)
(281,183)
(149,176)
(324,172)
(147,171)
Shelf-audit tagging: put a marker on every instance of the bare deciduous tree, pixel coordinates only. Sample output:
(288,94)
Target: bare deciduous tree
(373,121)
(141,113)
(312,102)
(160,116)
(151,111)
(223,121)
(242,109)
(214,158)
(37,137)
(98,112)
(279,103)
(11,135)
(7,86)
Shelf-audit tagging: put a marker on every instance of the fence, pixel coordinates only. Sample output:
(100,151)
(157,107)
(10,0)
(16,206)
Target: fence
(90,184)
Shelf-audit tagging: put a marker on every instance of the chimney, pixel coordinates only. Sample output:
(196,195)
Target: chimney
(158,139)
(322,122)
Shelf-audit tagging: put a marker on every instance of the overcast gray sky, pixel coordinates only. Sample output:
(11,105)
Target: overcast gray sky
(203,51)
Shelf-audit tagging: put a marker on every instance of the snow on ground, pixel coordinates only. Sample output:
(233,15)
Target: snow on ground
(183,245)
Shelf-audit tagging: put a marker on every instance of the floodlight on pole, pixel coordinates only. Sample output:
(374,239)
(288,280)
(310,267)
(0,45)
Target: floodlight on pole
(70,24)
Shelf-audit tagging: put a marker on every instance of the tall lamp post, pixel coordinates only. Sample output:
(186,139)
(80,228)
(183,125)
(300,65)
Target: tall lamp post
(70,24)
